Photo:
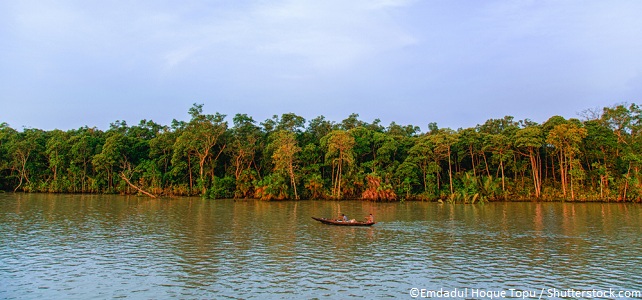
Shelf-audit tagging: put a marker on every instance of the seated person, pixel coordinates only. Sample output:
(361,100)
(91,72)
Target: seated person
(370,219)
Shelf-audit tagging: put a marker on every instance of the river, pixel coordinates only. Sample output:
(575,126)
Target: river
(104,247)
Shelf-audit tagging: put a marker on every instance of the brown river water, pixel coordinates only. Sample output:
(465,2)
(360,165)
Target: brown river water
(105,247)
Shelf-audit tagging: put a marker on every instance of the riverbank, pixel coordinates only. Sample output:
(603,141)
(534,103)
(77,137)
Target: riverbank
(288,158)
(453,200)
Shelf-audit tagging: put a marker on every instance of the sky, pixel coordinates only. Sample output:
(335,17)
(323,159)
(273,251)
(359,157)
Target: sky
(67,64)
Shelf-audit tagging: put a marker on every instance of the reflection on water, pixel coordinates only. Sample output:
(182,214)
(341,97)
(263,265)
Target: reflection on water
(70,246)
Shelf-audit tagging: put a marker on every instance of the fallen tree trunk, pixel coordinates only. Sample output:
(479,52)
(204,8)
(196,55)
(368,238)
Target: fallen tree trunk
(122,175)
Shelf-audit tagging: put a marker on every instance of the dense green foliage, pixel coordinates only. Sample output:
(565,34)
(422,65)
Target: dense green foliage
(598,158)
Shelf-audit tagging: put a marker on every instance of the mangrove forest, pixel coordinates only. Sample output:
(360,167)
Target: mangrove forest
(595,157)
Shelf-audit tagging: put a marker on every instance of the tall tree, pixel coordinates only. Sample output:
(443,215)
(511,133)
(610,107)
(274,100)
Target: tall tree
(245,142)
(285,149)
(6,139)
(566,138)
(57,150)
(24,147)
(626,123)
(528,141)
(501,149)
(423,157)
(472,141)
(599,152)
(161,150)
(115,157)
(85,144)
(199,139)
(291,122)
(444,141)
(351,122)
(339,145)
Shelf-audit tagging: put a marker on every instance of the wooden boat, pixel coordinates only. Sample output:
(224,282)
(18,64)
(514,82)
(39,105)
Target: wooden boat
(343,223)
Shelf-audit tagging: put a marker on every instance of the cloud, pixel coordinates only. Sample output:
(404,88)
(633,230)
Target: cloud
(329,35)
(177,56)
(378,4)
(313,35)
(442,58)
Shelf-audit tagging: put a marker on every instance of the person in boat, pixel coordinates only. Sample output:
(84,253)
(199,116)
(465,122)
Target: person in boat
(344,218)
(370,219)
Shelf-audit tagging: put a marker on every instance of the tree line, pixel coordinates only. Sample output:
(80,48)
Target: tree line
(285,157)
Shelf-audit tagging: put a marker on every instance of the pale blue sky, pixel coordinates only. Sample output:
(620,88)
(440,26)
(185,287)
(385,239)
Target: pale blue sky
(66,64)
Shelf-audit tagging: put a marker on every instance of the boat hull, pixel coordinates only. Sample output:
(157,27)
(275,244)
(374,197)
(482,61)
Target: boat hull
(342,223)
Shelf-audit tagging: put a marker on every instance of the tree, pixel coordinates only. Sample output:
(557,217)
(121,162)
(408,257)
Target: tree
(443,141)
(528,141)
(351,122)
(566,138)
(497,126)
(317,129)
(619,120)
(364,149)
(500,147)
(285,149)
(246,139)
(339,145)
(199,139)
(161,150)
(473,141)
(57,150)
(24,146)
(6,158)
(85,144)
(599,151)
(291,122)
(626,124)
(423,157)
(385,147)
(114,157)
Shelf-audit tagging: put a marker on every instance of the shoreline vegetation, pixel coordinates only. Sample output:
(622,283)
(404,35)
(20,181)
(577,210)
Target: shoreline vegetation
(597,158)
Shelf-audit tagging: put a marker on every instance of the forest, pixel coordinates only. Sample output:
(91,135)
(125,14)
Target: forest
(595,157)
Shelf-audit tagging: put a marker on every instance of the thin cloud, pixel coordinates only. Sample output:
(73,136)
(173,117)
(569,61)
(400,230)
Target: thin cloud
(303,35)
(456,62)
(178,56)
(328,35)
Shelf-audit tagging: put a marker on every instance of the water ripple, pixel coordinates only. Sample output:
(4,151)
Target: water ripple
(82,247)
